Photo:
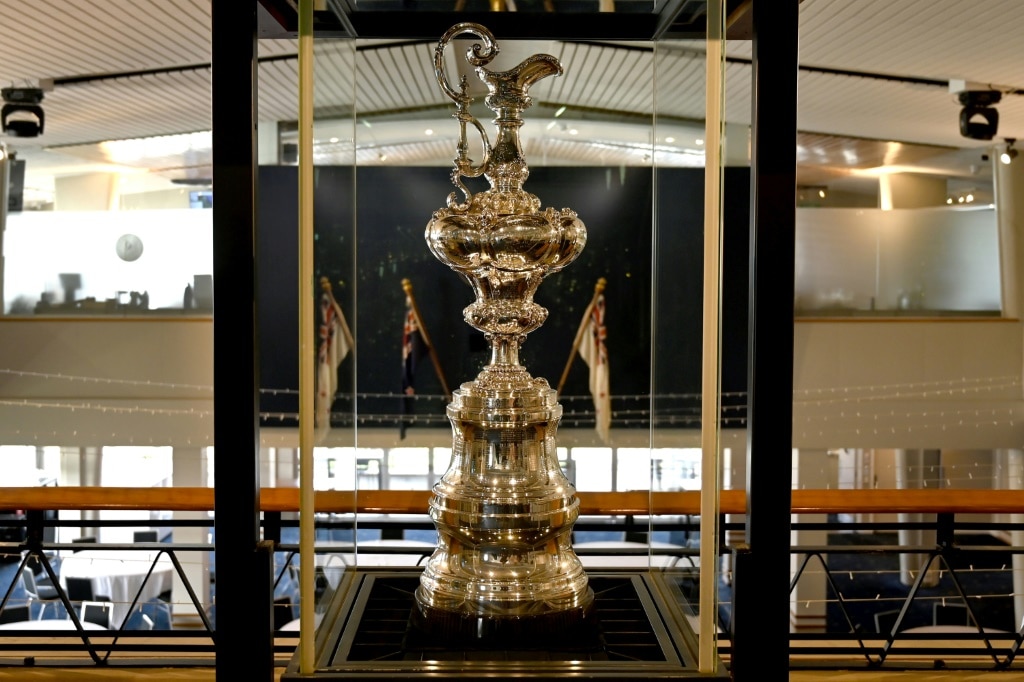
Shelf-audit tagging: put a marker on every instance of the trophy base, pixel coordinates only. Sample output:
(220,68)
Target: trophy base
(575,626)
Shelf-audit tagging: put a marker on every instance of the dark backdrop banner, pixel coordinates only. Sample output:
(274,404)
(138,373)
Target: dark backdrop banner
(366,252)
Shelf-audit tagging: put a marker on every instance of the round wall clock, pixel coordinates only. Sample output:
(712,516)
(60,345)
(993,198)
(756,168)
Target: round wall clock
(129,247)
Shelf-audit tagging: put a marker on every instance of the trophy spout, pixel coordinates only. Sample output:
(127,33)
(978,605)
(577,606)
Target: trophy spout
(509,90)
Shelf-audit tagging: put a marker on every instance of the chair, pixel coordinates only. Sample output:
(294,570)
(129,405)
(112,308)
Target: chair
(44,594)
(147,622)
(392,533)
(97,612)
(145,536)
(885,620)
(950,614)
(282,612)
(85,539)
(13,614)
(80,590)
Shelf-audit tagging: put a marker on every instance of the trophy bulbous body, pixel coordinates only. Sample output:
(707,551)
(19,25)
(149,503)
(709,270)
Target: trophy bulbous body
(504,255)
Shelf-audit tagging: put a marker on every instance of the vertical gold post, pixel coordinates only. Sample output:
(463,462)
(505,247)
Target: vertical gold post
(307,625)
(710,374)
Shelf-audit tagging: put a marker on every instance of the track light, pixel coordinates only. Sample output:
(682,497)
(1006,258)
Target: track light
(979,120)
(1009,154)
(21,102)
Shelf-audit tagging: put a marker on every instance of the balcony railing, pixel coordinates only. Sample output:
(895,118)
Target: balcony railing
(960,559)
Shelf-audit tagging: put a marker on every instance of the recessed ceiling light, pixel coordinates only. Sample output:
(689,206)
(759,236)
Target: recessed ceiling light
(561,110)
(670,139)
(428,132)
(699,141)
(573,131)
(334,140)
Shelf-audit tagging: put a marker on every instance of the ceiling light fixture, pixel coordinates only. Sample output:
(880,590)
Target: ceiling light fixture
(22,102)
(561,110)
(978,119)
(1009,154)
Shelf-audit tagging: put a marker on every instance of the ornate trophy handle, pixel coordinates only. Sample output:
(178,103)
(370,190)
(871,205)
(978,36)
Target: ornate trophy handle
(477,56)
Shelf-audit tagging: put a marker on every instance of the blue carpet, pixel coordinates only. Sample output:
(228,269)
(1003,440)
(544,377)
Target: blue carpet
(870,584)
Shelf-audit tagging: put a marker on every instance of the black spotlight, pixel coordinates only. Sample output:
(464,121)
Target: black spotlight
(22,101)
(978,120)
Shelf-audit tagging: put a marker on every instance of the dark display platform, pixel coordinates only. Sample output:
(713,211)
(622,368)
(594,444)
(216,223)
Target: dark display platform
(637,631)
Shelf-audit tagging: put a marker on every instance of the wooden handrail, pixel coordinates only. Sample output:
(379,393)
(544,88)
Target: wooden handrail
(889,501)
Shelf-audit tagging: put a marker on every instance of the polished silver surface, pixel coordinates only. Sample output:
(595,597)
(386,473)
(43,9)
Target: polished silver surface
(504,510)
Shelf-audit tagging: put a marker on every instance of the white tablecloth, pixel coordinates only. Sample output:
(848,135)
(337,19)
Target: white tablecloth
(615,559)
(118,574)
(48,624)
(362,554)
(951,630)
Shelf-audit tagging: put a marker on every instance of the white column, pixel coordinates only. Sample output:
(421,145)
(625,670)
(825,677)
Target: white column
(813,470)
(286,468)
(90,468)
(268,143)
(70,475)
(1008,181)
(917,469)
(189,471)
(734,473)
(267,466)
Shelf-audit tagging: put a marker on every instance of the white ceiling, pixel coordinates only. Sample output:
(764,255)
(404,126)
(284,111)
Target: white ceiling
(871,90)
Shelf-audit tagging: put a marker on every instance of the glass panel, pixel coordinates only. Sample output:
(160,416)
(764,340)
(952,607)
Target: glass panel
(688,188)
(924,261)
(121,262)
(883,402)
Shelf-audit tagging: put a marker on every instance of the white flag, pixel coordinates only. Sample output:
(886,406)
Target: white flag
(333,349)
(595,354)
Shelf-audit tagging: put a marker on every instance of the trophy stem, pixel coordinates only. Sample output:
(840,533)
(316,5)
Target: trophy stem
(505,350)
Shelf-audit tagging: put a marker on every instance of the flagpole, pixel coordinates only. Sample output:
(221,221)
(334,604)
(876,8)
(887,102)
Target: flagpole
(407,287)
(598,290)
(325,284)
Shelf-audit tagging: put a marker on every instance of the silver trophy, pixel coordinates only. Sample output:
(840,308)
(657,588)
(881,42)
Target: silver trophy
(504,510)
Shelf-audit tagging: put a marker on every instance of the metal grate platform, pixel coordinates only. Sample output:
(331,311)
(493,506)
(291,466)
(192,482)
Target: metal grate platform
(369,632)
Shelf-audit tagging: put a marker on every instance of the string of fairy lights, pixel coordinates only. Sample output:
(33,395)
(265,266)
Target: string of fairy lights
(630,410)
(864,409)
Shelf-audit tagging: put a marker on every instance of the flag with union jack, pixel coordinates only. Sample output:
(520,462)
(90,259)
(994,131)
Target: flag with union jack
(334,347)
(595,353)
(414,347)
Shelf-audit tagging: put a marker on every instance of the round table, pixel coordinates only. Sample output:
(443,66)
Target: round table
(48,624)
(118,575)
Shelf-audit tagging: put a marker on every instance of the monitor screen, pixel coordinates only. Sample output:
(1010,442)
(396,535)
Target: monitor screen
(16,185)
(200,198)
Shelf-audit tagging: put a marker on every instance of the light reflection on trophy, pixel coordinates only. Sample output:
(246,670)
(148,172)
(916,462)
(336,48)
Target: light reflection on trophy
(504,510)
